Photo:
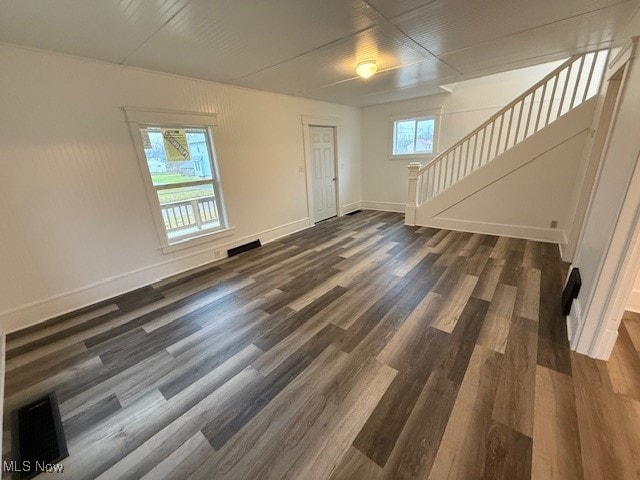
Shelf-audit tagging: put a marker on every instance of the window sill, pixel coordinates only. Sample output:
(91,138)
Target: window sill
(199,240)
(412,156)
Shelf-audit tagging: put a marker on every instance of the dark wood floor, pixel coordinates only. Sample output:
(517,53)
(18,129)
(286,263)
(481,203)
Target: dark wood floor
(360,348)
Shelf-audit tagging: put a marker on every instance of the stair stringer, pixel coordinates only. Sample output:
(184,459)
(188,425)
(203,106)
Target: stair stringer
(433,212)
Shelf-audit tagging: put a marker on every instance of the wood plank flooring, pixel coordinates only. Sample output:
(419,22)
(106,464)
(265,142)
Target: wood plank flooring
(359,348)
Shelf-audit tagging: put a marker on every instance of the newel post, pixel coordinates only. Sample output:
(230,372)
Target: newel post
(412,198)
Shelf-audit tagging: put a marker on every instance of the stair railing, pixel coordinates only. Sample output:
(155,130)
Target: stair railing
(566,87)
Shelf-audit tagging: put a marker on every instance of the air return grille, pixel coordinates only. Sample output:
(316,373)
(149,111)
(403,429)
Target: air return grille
(40,436)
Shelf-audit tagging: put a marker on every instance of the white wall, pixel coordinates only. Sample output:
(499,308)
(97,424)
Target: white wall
(522,191)
(76,224)
(384,181)
(598,252)
(633,303)
(525,202)
(616,170)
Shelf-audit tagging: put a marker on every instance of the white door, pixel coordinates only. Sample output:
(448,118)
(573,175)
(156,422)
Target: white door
(324,173)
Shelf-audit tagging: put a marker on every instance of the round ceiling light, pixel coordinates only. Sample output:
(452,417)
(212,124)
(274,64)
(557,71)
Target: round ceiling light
(366,68)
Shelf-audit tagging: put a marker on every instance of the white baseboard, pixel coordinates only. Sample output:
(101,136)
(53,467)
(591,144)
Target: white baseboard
(604,348)
(549,235)
(276,233)
(633,304)
(351,207)
(42,310)
(564,254)
(573,323)
(383,206)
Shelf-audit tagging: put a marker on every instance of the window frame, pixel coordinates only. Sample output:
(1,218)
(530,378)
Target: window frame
(434,115)
(141,118)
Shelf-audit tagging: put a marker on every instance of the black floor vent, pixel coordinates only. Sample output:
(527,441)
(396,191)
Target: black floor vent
(354,212)
(40,436)
(243,248)
(571,291)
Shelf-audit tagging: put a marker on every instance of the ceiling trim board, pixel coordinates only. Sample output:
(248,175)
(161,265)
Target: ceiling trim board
(301,55)
(536,60)
(385,23)
(123,61)
(533,29)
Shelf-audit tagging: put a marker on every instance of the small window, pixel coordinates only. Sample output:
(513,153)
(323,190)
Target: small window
(183,179)
(414,136)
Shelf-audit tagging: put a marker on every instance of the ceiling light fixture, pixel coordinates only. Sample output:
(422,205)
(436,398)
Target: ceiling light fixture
(366,68)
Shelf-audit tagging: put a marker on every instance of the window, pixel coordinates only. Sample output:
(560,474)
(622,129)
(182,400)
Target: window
(414,136)
(178,160)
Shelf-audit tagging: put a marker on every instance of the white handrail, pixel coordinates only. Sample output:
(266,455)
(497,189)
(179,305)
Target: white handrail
(525,115)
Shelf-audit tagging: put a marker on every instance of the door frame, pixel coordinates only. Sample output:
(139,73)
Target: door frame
(319,121)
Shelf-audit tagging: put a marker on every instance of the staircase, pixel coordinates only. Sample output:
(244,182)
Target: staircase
(562,91)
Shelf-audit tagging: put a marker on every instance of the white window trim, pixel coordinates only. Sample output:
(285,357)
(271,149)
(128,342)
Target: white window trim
(434,113)
(138,118)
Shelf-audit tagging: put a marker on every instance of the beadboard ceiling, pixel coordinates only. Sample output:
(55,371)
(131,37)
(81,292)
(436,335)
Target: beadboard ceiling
(309,48)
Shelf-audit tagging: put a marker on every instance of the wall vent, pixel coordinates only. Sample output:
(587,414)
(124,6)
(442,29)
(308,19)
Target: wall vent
(244,248)
(571,291)
(41,438)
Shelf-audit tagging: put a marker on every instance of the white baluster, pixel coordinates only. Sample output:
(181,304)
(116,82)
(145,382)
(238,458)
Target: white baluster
(564,90)
(490,142)
(553,96)
(544,91)
(526,128)
(499,135)
(195,207)
(466,159)
(591,70)
(508,135)
(482,146)
(475,149)
(577,85)
(519,119)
